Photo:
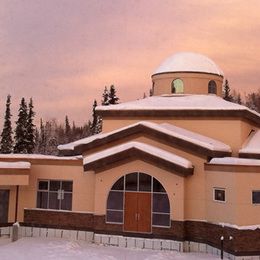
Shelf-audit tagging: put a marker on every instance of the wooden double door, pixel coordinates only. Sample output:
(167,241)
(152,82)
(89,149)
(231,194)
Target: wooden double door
(4,205)
(137,212)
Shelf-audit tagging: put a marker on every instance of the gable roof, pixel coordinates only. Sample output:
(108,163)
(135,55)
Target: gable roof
(171,134)
(141,151)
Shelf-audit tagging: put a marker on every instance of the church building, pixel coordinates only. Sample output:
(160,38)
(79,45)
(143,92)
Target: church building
(182,164)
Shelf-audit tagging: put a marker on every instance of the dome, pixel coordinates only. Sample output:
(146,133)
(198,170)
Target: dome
(189,62)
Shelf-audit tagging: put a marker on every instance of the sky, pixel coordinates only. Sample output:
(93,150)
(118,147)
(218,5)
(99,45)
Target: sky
(62,53)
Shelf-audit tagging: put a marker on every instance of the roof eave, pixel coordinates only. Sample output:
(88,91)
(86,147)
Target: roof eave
(136,154)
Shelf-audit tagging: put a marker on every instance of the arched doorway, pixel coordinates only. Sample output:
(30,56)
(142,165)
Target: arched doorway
(138,201)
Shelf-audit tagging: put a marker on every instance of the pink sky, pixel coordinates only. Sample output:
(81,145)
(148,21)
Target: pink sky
(62,52)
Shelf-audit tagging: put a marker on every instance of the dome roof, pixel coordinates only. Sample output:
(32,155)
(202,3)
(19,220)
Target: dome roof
(188,62)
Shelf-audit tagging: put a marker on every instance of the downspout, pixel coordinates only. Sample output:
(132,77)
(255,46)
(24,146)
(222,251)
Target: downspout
(16,203)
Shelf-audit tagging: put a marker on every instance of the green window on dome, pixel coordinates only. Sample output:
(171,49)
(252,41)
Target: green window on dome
(177,86)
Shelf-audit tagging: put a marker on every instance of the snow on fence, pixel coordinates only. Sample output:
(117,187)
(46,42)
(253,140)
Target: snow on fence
(5,231)
(119,241)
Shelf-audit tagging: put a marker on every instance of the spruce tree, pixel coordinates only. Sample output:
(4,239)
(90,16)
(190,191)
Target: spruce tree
(105,96)
(96,125)
(113,99)
(67,129)
(43,139)
(227,95)
(30,129)
(6,136)
(21,142)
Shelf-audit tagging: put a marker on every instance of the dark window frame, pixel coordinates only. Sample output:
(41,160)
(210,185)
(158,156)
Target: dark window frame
(61,195)
(253,197)
(212,87)
(215,197)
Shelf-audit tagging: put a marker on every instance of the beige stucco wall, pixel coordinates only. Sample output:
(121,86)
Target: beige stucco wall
(238,208)
(83,188)
(194,83)
(194,186)
(173,184)
(230,131)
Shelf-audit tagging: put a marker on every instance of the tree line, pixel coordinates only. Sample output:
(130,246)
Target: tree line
(27,138)
(251,100)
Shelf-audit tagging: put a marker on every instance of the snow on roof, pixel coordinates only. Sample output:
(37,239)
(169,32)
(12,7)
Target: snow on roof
(189,62)
(140,146)
(177,102)
(235,161)
(15,165)
(252,144)
(38,156)
(168,129)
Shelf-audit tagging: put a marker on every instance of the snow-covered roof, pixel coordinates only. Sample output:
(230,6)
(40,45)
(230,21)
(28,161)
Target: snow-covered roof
(188,62)
(170,157)
(252,145)
(235,161)
(168,129)
(38,156)
(15,165)
(177,102)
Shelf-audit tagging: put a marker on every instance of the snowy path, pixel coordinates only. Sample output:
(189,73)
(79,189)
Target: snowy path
(40,248)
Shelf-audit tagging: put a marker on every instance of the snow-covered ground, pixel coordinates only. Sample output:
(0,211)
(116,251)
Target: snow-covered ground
(45,248)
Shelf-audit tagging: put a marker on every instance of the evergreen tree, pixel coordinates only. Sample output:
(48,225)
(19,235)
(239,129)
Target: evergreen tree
(37,141)
(21,142)
(97,122)
(113,99)
(6,136)
(42,139)
(67,128)
(30,128)
(227,95)
(105,96)
(253,101)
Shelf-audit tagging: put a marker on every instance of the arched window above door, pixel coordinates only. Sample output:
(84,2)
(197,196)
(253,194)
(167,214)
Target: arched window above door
(138,182)
(177,86)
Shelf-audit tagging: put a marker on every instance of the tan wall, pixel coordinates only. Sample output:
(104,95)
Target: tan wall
(238,208)
(230,131)
(194,83)
(194,185)
(14,179)
(83,188)
(173,184)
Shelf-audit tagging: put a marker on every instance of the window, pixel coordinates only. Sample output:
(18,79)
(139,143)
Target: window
(54,194)
(256,197)
(177,86)
(138,182)
(219,194)
(212,87)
